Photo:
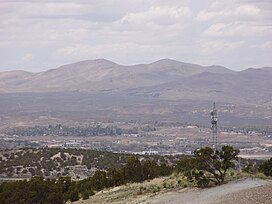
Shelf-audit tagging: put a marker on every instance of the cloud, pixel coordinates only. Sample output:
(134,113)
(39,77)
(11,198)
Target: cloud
(265,45)
(215,46)
(220,12)
(248,10)
(43,9)
(238,29)
(36,33)
(158,15)
(27,58)
(74,35)
(135,31)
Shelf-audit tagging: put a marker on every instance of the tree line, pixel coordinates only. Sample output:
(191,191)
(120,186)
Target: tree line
(61,130)
(44,191)
(46,161)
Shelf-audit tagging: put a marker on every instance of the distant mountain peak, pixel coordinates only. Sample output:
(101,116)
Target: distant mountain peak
(166,61)
(100,61)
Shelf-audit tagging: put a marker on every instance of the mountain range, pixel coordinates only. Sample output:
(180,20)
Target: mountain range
(100,74)
(166,90)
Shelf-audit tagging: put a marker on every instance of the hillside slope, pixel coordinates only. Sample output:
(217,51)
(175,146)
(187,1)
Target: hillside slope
(243,191)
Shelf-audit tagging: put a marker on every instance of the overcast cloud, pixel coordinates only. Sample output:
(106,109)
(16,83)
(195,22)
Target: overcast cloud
(38,35)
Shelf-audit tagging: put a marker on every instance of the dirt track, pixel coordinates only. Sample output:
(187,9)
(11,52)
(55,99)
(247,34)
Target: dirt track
(239,192)
(256,195)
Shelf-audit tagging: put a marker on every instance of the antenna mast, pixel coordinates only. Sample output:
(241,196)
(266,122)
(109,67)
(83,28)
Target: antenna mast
(214,126)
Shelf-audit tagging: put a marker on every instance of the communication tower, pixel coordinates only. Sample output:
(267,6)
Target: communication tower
(214,126)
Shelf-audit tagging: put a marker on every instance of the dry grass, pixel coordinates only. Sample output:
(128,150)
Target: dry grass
(138,192)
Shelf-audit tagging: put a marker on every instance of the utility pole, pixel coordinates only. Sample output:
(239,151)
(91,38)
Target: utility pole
(214,126)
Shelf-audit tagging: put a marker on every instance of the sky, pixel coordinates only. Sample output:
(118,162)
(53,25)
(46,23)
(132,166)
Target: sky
(39,35)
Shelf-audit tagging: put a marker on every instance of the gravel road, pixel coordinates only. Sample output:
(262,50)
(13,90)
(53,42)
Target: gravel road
(249,191)
(256,195)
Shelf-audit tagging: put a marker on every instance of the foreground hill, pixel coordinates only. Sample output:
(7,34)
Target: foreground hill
(163,90)
(166,190)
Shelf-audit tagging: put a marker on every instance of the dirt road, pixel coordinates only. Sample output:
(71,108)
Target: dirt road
(248,191)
